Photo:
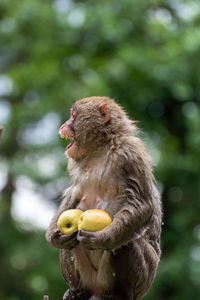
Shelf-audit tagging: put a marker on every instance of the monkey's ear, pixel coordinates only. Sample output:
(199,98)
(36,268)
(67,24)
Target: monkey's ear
(103,108)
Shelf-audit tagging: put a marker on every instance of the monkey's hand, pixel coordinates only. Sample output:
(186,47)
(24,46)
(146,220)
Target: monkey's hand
(63,241)
(92,240)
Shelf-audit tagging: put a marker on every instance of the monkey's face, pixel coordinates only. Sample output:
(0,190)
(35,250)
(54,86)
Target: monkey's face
(87,128)
(67,131)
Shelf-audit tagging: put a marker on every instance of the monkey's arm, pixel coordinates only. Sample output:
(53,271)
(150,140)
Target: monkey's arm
(53,234)
(128,224)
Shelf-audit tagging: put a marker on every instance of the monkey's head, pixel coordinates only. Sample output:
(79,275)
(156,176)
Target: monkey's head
(91,124)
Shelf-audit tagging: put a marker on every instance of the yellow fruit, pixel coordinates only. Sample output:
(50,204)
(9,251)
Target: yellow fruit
(94,220)
(68,220)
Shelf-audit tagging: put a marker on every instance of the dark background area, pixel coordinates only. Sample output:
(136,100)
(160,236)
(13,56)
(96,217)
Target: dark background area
(145,55)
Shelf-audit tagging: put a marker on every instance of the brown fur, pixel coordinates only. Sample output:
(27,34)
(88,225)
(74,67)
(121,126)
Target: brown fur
(120,261)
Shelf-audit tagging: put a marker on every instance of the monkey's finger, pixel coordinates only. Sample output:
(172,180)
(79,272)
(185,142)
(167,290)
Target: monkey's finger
(57,232)
(55,236)
(70,236)
(86,233)
(69,241)
(83,239)
(88,242)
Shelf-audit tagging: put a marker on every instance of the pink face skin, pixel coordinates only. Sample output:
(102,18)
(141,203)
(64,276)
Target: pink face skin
(66,131)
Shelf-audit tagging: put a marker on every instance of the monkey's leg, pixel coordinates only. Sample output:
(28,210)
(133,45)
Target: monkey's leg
(71,276)
(132,271)
(134,268)
(68,269)
(150,260)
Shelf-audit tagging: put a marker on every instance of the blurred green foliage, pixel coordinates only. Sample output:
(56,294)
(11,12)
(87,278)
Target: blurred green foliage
(146,55)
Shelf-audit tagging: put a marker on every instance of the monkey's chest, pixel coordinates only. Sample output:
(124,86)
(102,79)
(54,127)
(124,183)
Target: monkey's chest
(90,199)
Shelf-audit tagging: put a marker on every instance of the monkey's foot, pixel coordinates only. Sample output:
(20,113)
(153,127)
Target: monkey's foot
(76,294)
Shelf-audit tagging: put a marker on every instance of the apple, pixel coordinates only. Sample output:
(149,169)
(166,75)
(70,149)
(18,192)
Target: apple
(68,220)
(94,220)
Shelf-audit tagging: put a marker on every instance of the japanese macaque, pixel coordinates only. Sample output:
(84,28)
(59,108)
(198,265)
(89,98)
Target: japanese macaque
(111,170)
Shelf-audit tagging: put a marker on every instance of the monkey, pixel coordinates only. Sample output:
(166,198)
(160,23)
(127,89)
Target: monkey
(110,169)
(1,129)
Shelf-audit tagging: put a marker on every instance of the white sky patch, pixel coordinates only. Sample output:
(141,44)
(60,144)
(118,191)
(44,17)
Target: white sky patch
(189,109)
(76,17)
(43,132)
(62,6)
(153,142)
(5,109)
(155,154)
(6,85)
(29,206)
(196,232)
(8,25)
(187,10)
(195,253)
(161,15)
(48,165)
(3,175)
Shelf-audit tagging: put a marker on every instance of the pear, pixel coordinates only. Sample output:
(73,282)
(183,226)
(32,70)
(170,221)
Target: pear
(94,220)
(68,220)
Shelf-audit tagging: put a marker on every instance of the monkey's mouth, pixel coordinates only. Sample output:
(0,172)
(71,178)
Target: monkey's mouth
(71,142)
(68,135)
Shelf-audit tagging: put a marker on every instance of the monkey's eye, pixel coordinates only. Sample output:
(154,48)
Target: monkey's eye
(72,113)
